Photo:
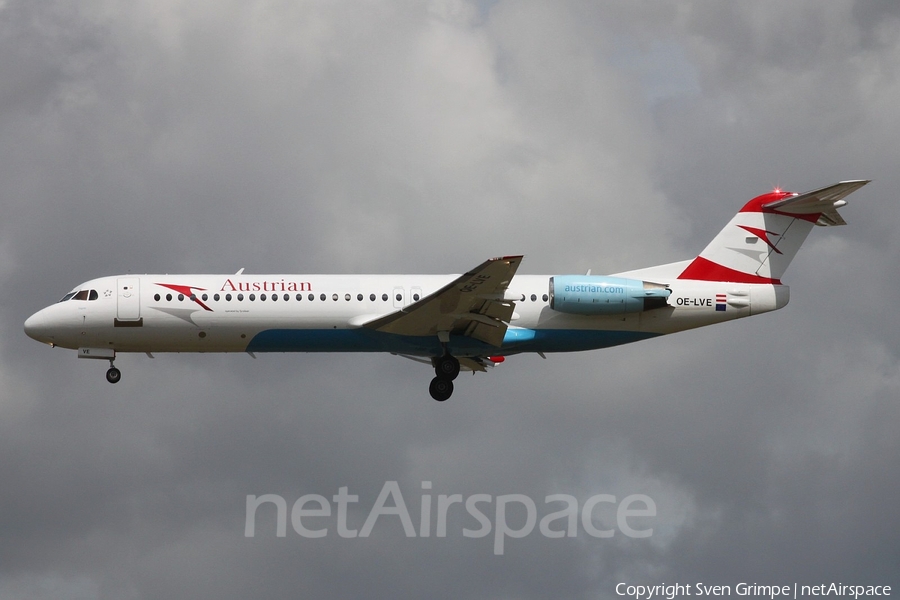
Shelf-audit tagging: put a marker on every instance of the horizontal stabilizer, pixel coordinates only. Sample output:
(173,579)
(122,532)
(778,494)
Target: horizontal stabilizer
(823,202)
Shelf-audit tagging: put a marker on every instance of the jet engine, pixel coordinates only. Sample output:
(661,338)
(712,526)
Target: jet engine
(598,295)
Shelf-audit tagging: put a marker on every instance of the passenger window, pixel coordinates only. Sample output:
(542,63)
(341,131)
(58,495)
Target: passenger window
(347,297)
(359,297)
(372,297)
(168,297)
(322,297)
(215,297)
(240,297)
(299,297)
(384,297)
(534,297)
(228,297)
(311,297)
(156,297)
(252,297)
(286,297)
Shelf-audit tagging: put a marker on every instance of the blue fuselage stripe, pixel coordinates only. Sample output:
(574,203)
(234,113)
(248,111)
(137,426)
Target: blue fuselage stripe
(367,340)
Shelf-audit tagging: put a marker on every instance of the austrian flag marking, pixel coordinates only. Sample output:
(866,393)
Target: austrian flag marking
(721,300)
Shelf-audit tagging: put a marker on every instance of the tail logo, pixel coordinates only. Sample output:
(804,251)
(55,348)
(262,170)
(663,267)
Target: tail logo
(763,235)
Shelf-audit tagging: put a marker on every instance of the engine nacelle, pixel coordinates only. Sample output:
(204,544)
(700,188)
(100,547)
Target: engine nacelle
(598,295)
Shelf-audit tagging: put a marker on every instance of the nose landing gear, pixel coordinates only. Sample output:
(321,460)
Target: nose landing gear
(113,375)
(446,369)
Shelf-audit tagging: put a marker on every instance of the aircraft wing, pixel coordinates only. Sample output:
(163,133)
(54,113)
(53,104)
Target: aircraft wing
(474,304)
(824,202)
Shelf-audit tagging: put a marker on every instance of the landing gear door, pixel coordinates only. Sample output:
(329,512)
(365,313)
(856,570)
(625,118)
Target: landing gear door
(128,299)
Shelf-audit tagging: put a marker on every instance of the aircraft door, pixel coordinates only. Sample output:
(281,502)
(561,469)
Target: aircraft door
(128,299)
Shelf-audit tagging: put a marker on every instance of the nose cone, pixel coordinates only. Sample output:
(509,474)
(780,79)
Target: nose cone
(37,327)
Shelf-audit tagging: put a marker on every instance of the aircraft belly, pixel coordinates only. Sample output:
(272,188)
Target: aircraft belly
(364,340)
(544,332)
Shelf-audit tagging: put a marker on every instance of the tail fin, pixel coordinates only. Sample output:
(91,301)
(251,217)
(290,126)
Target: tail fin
(760,241)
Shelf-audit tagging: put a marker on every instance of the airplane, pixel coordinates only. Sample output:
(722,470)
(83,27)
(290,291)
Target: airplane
(468,322)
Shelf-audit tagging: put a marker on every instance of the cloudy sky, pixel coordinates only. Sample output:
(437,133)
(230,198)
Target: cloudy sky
(302,136)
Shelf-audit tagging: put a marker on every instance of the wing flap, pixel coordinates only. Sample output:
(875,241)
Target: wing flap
(473,363)
(489,334)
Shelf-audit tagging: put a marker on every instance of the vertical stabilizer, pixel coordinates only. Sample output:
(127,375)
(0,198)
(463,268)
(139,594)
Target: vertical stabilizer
(760,241)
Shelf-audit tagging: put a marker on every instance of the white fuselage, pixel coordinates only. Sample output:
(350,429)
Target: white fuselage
(326,313)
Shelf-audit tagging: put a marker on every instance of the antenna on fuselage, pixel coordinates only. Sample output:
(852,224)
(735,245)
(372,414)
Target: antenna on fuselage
(240,271)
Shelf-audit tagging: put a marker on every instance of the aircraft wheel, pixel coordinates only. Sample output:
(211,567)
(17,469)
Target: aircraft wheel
(113,375)
(447,367)
(440,388)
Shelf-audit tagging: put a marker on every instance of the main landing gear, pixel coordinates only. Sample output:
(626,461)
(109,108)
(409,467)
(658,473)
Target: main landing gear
(446,369)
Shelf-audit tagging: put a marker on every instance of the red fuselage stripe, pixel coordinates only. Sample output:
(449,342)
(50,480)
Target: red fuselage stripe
(706,270)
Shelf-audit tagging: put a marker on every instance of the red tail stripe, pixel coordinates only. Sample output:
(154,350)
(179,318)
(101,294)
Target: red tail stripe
(758,204)
(706,270)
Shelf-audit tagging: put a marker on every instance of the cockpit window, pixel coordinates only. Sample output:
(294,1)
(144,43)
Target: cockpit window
(81,295)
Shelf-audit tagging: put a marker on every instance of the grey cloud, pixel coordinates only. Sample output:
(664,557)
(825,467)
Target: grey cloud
(162,137)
